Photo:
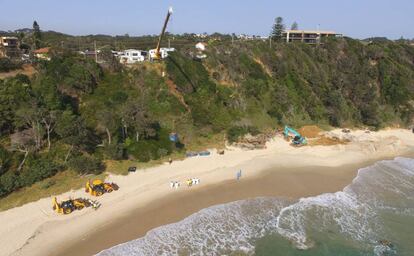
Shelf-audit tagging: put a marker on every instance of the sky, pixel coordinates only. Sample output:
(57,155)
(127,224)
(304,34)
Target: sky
(354,18)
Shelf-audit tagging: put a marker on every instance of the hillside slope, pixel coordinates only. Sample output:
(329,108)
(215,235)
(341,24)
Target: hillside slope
(342,82)
(74,114)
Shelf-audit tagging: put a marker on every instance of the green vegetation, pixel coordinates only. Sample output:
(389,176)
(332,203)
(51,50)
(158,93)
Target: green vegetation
(75,118)
(7,65)
(57,184)
(236,132)
(295,26)
(278,29)
(37,35)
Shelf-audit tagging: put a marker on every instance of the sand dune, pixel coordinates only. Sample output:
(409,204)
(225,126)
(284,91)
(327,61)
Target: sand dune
(34,229)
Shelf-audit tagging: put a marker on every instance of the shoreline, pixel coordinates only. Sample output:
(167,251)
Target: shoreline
(270,183)
(34,229)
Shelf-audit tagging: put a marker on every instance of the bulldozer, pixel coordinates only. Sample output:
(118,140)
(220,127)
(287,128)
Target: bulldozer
(68,206)
(98,187)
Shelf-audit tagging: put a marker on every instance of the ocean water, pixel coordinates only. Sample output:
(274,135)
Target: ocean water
(377,206)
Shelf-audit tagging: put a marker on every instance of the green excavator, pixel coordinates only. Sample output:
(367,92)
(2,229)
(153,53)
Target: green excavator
(298,139)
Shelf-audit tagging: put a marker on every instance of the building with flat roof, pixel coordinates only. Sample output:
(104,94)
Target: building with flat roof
(307,36)
(132,56)
(9,46)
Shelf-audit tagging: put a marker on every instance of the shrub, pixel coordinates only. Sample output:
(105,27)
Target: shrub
(5,160)
(48,184)
(84,164)
(251,68)
(37,170)
(114,151)
(235,132)
(6,65)
(151,149)
(162,152)
(8,183)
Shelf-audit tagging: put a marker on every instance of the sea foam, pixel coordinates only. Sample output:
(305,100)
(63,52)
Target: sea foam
(222,228)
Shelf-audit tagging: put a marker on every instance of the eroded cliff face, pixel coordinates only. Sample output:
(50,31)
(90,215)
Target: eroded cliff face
(341,82)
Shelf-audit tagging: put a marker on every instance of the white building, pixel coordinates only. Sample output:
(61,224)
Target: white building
(199,55)
(9,46)
(307,36)
(200,46)
(164,52)
(132,56)
(246,37)
(204,35)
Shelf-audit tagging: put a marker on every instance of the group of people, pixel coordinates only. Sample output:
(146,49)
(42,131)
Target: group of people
(189,182)
(193,181)
(174,184)
(196,181)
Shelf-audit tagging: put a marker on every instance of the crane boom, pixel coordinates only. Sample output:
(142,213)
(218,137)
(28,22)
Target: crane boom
(157,51)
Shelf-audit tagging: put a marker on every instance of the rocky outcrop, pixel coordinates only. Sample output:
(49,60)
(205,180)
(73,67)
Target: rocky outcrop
(250,142)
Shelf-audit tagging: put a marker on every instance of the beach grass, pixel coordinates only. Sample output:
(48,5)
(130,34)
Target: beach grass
(120,167)
(58,184)
(70,180)
(207,142)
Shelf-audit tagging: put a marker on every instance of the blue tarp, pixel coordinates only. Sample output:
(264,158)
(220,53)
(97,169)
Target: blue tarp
(204,153)
(174,137)
(191,154)
(201,153)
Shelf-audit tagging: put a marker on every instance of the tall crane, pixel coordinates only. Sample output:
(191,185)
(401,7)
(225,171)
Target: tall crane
(157,50)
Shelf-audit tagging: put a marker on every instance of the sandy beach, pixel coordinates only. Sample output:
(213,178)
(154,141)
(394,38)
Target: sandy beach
(145,199)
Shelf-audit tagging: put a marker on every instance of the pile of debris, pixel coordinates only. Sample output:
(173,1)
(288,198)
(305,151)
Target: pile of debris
(310,131)
(316,136)
(250,142)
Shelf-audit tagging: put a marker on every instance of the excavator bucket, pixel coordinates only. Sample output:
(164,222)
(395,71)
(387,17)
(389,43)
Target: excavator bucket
(55,205)
(109,187)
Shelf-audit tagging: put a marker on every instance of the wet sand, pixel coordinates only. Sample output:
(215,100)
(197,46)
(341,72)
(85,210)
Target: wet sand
(292,183)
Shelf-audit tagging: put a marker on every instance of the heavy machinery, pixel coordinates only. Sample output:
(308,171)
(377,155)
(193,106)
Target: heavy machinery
(68,206)
(298,140)
(157,53)
(98,187)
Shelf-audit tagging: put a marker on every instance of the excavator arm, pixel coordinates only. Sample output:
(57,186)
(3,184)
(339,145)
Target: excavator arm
(289,131)
(88,188)
(298,139)
(55,205)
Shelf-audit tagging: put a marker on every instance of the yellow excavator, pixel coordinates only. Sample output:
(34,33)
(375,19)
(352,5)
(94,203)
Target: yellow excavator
(98,187)
(157,54)
(68,206)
